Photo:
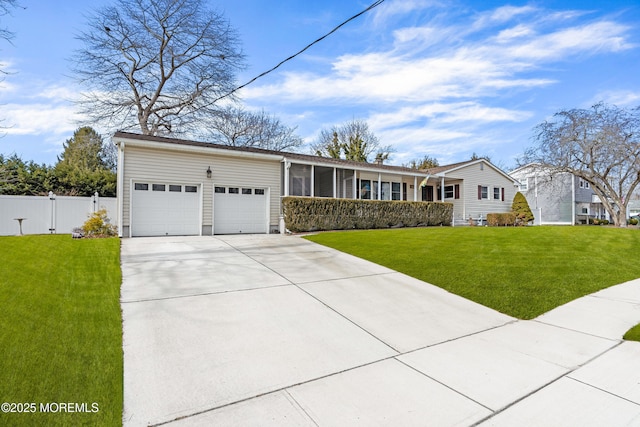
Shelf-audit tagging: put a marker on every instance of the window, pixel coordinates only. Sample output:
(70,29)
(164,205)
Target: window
(220,190)
(246,191)
(259,191)
(395,191)
(386,193)
(583,183)
(483,192)
(190,189)
(158,187)
(141,187)
(175,188)
(496,193)
(234,190)
(365,189)
(448,192)
(524,185)
(585,211)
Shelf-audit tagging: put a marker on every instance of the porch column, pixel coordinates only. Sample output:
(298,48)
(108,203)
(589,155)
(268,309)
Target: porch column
(442,190)
(379,186)
(355,184)
(287,165)
(313,184)
(335,183)
(415,188)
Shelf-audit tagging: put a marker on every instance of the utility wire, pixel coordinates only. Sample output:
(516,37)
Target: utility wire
(373,5)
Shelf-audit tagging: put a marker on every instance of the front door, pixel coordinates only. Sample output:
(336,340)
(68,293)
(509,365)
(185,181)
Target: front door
(427,193)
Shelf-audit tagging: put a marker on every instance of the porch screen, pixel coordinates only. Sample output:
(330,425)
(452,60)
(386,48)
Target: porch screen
(300,180)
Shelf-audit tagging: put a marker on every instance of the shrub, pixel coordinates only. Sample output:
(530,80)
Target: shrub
(521,208)
(314,214)
(501,219)
(98,225)
(633,221)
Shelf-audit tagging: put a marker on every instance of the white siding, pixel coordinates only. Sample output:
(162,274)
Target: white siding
(143,164)
(473,176)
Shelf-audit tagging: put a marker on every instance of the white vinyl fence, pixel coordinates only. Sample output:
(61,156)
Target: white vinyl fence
(50,214)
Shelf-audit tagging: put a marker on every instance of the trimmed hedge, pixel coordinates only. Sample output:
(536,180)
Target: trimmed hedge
(501,219)
(303,214)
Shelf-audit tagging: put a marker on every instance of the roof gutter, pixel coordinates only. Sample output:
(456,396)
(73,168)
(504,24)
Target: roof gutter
(132,142)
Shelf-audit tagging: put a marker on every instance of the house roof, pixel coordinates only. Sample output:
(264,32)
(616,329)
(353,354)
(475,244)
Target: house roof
(284,154)
(308,158)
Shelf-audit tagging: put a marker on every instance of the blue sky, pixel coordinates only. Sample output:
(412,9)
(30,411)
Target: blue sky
(438,78)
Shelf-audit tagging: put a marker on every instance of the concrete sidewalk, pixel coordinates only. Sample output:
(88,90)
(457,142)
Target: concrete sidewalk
(274,330)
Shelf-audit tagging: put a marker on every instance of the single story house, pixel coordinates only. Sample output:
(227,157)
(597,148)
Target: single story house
(169,186)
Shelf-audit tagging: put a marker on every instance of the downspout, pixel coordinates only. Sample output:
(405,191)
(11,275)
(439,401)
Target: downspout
(120,187)
(573,201)
(281,223)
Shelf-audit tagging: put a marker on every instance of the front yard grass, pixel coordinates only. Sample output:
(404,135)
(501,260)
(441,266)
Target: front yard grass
(522,272)
(633,334)
(60,331)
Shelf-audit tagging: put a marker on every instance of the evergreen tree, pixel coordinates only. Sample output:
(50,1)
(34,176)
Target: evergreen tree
(85,166)
(520,207)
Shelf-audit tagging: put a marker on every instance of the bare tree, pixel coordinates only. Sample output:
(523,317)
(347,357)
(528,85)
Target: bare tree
(6,7)
(241,128)
(352,141)
(156,65)
(601,145)
(426,162)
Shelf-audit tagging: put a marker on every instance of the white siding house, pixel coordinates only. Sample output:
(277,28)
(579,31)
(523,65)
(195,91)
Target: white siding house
(168,186)
(476,188)
(558,198)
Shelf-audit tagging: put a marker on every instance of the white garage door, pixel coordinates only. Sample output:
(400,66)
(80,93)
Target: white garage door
(239,210)
(164,209)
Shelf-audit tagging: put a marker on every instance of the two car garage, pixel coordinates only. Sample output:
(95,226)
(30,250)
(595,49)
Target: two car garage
(168,209)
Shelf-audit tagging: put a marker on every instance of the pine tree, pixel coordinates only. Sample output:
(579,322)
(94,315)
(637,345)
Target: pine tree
(521,208)
(84,167)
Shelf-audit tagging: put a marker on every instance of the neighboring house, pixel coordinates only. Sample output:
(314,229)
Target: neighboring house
(558,198)
(169,186)
(634,207)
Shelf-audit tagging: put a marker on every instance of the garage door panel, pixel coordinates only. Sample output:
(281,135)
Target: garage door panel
(235,212)
(172,211)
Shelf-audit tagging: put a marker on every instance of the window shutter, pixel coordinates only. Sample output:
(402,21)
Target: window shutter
(503,194)
(479,192)
(456,190)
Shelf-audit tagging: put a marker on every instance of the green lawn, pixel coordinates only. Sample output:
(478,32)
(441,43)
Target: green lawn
(523,271)
(633,334)
(60,331)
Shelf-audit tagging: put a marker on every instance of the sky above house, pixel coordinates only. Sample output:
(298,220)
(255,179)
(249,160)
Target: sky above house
(440,78)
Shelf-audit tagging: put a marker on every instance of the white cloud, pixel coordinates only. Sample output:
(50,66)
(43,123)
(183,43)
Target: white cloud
(412,70)
(621,98)
(401,7)
(37,119)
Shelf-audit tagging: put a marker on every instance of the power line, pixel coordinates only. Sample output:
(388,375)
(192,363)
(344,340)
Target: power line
(373,5)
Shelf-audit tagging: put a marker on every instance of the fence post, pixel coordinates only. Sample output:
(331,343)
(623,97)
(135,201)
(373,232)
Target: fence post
(52,224)
(96,204)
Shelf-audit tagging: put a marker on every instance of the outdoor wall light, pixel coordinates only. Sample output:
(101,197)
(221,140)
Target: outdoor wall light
(209,172)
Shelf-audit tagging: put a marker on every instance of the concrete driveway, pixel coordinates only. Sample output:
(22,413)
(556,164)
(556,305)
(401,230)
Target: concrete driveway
(270,330)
